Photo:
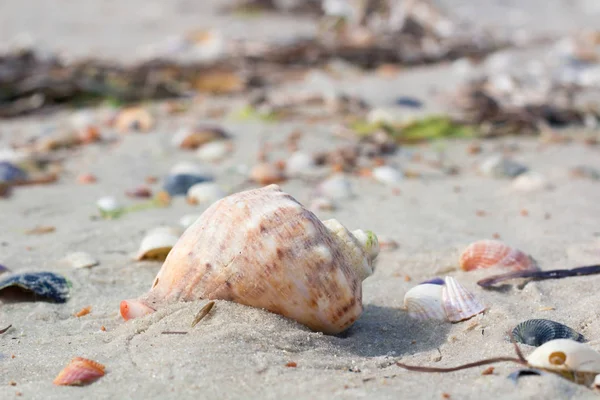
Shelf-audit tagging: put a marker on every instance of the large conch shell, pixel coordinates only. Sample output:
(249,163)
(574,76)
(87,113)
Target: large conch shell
(262,248)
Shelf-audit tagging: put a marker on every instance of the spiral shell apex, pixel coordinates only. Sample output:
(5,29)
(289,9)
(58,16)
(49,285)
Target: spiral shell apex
(493,253)
(262,248)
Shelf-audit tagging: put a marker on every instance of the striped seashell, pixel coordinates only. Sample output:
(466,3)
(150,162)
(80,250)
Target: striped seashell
(458,302)
(424,302)
(80,371)
(493,253)
(536,332)
(263,249)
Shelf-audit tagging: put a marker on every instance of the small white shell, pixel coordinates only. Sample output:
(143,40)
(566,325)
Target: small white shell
(299,164)
(337,187)
(530,182)
(565,355)
(157,243)
(81,259)
(424,302)
(205,192)
(188,220)
(214,151)
(387,175)
(322,204)
(108,204)
(458,302)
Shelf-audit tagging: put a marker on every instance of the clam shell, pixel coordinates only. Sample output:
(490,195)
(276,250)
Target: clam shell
(573,360)
(424,302)
(458,302)
(262,248)
(43,284)
(205,192)
(494,253)
(536,332)
(157,243)
(80,371)
(531,181)
(81,259)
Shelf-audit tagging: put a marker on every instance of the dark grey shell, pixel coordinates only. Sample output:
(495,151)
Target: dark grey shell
(179,184)
(536,332)
(43,284)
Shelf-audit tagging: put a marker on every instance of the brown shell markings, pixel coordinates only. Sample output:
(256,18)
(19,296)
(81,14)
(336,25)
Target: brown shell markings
(262,248)
(493,253)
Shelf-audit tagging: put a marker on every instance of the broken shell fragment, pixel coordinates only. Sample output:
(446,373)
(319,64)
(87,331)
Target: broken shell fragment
(43,284)
(157,243)
(424,302)
(536,332)
(494,253)
(192,138)
(134,119)
(80,371)
(575,361)
(459,303)
(81,259)
(204,192)
(531,182)
(263,249)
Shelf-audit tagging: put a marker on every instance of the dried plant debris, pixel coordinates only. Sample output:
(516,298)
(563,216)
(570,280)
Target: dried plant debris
(5,329)
(294,7)
(497,114)
(407,33)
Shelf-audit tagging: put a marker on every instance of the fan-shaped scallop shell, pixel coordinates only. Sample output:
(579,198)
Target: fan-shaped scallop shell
(536,332)
(79,371)
(494,253)
(424,302)
(573,360)
(458,302)
(264,249)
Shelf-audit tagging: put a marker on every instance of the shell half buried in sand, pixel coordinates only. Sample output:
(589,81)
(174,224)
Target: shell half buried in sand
(575,361)
(495,254)
(80,371)
(435,300)
(263,249)
(157,243)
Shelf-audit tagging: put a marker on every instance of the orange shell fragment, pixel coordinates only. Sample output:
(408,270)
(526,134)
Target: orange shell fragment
(80,371)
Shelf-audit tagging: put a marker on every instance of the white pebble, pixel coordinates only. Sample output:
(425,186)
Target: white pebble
(336,187)
(214,151)
(81,259)
(387,175)
(530,182)
(108,204)
(299,164)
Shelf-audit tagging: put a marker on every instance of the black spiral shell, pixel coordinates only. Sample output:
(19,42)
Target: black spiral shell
(536,332)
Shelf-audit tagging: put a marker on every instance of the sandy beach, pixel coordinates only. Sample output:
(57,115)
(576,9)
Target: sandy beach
(240,352)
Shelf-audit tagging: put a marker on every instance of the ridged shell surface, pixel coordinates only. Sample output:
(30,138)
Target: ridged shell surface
(458,302)
(536,332)
(494,253)
(79,371)
(424,302)
(264,249)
